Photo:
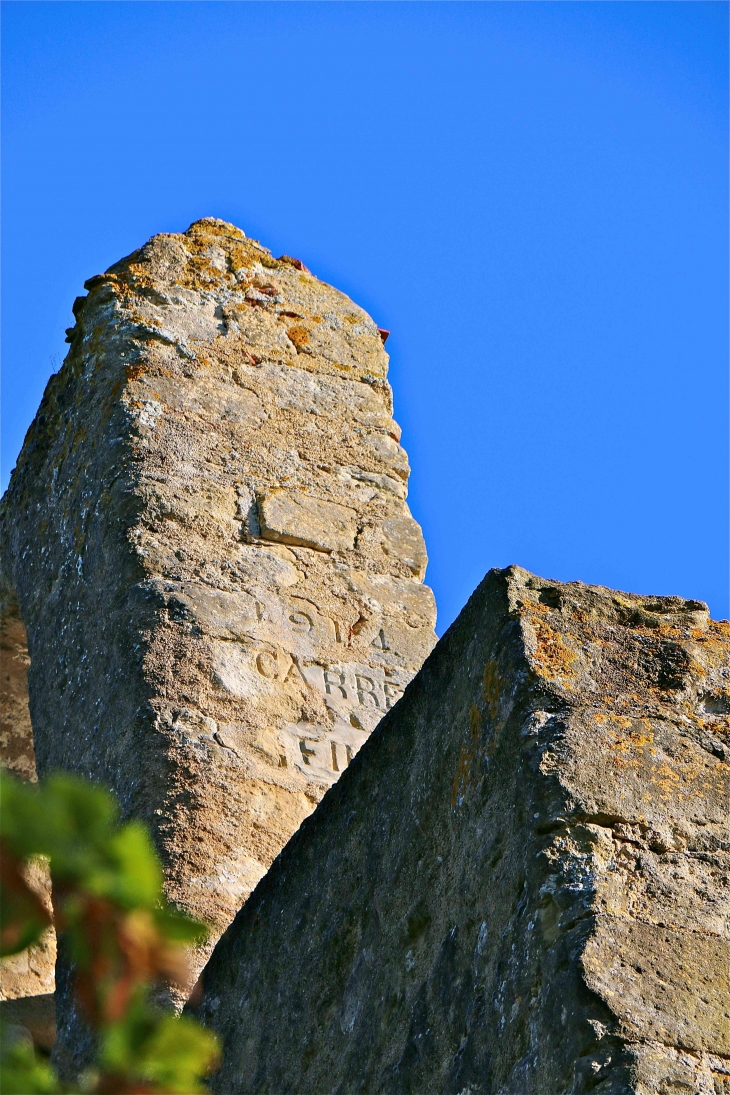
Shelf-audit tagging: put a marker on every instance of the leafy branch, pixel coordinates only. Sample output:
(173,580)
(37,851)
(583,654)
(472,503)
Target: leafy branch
(122,937)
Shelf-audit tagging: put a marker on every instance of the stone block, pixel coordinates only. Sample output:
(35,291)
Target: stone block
(208,635)
(299,520)
(520,886)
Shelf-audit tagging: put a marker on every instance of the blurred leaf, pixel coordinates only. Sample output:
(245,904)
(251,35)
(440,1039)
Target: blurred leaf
(179,928)
(135,874)
(179,1055)
(22,1071)
(115,951)
(121,933)
(67,820)
(164,1052)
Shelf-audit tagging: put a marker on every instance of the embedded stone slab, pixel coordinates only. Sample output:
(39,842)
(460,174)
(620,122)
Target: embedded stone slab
(17,754)
(297,519)
(216,618)
(30,974)
(521,884)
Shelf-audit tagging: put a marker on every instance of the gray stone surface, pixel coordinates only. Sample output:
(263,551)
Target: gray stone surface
(520,885)
(218,612)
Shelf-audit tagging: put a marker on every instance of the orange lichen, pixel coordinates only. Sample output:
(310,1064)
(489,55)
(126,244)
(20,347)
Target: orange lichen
(465,775)
(299,336)
(553,657)
(492,687)
(134,372)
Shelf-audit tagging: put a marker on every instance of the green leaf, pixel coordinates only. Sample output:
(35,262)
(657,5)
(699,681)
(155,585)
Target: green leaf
(174,1054)
(127,871)
(179,928)
(68,819)
(179,1054)
(22,1071)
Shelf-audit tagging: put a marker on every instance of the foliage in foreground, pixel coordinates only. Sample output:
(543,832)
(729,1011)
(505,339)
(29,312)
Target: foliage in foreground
(120,932)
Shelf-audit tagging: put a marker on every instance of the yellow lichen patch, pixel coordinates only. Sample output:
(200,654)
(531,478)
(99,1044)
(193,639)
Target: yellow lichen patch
(492,687)
(208,227)
(622,720)
(465,774)
(299,336)
(539,607)
(636,740)
(553,657)
(134,372)
(462,779)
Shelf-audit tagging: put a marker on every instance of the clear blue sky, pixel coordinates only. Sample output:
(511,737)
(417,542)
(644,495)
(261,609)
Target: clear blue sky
(533,197)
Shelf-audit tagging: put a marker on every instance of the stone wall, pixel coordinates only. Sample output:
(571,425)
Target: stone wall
(520,886)
(208,535)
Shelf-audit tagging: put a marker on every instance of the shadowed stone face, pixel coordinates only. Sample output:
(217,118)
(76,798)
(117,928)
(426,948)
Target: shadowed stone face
(521,885)
(213,556)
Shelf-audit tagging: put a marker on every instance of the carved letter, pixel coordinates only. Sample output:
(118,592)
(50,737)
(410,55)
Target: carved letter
(348,755)
(306,753)
(392,695)
(366,687)
(295,672)
(266,665)
(329,682)
(301,622)
(380,641)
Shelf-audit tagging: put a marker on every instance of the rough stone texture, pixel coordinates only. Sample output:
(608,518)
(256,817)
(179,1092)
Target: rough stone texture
(16,736)
(214,560)
(520,886)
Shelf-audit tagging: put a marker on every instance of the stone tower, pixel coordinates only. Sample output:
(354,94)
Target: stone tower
(208,537)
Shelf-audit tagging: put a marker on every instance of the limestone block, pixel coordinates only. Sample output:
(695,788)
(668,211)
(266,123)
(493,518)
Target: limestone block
(32,973)
(16,735)
(402,538)
(521,885)
(209,633)
(307,522)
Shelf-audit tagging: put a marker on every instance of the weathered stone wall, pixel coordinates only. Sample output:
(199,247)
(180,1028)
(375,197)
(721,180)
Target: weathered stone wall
(520,886)
(208,536)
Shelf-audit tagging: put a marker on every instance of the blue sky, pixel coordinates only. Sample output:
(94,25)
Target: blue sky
(532,197)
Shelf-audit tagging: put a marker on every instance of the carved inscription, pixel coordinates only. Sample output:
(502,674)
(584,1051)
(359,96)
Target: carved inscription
(351,684)
(320,754)
(281,644)
(254,615)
